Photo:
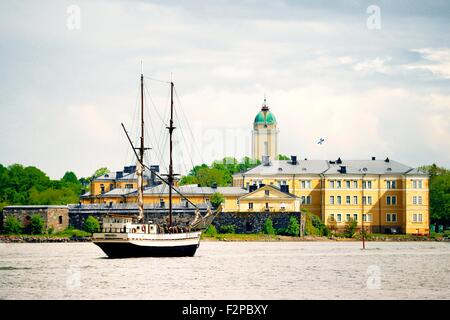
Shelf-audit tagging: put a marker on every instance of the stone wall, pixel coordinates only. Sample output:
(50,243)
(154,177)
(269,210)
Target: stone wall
(244,222)
(55,217)
(253,222)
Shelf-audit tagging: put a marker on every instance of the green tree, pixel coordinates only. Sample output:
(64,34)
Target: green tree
(208,176)
(100,172)
(12,225)
(268,227)
(439,187)
(350,228)
(36,224)
(70,177)
(217,199)
(91,224)
(188,180)
(210,231)
(293,228)
(228,229)
(283,157)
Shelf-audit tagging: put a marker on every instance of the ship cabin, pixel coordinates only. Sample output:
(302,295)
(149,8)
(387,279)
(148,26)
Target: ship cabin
(124,224)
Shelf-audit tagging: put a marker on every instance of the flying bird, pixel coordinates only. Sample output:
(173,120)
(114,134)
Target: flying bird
(321,140)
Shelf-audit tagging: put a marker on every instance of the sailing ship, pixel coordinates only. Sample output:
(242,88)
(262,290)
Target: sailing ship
(123,236)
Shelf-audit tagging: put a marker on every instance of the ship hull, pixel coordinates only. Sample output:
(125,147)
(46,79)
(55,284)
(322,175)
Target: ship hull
(133,250)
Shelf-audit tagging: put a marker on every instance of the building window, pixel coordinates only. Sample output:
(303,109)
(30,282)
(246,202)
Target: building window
(390,184)
(367,217)
(129,186)
(306,184)
(308,200)
(364,216)
(414,199)
(250,205)
(338,184)
(339,200)
(339,217)
(347,184)
(303,199)
(266,192)
(331,217)
(391,217)
(388,200)
(60,219)
(267,205)
(369,199)
(364,200)
(347,217)
(331,184)
(419,200)
(347,199)
(394,200)
(102,188)
(364,184)
(355,184)
(355,216)
(161,203)
(417,217)
(331,199)
(355,199)
(417,184)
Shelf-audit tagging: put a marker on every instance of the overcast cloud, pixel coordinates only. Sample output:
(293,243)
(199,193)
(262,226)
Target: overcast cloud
(367,92)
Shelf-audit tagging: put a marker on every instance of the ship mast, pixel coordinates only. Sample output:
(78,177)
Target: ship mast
(140,166)
(170,175)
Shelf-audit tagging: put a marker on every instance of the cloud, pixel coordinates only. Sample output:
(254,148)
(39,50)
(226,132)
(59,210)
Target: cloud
(437,61)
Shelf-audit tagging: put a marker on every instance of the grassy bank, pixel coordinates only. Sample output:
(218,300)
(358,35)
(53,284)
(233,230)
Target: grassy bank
(67,235)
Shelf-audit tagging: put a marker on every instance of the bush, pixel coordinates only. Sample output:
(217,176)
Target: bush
(350,228)
(91,225)
(268,227)
(228,229)
(217,199)
(36,224)
(13,225)
(293,228)
(71,232)
(50,230)
(210,231)
(314,225)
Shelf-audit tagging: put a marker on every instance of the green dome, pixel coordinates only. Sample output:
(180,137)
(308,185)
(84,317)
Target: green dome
(265,117)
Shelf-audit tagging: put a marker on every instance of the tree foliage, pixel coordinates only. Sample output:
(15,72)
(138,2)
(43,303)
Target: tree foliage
(91,224)
(217,199)
(220,172)
(36,224)
(268,227)
(350,228)
(29,185)
(12,225)
(283,157)
(439,194)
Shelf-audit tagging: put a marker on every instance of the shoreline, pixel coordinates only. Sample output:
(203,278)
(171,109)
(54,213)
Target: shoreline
(233,238)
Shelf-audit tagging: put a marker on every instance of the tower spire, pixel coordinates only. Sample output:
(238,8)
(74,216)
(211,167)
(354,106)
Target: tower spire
(265,107)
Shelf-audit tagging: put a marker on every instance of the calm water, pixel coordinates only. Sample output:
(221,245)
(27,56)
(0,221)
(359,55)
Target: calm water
(230,270)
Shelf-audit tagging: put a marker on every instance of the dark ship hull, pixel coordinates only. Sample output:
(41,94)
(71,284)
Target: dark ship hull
(132,250)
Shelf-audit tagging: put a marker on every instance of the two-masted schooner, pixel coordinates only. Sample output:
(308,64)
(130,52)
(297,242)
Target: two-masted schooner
(123,236)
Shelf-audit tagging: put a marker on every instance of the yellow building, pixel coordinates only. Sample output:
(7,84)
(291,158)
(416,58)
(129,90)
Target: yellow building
(158,196)
(384,195)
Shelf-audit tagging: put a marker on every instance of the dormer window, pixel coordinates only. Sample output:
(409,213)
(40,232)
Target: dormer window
(266,192)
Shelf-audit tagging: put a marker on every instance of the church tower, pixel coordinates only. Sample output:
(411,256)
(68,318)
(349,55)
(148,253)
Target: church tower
(265,134)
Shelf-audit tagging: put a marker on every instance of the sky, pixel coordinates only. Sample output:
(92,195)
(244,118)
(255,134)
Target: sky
(370,77)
